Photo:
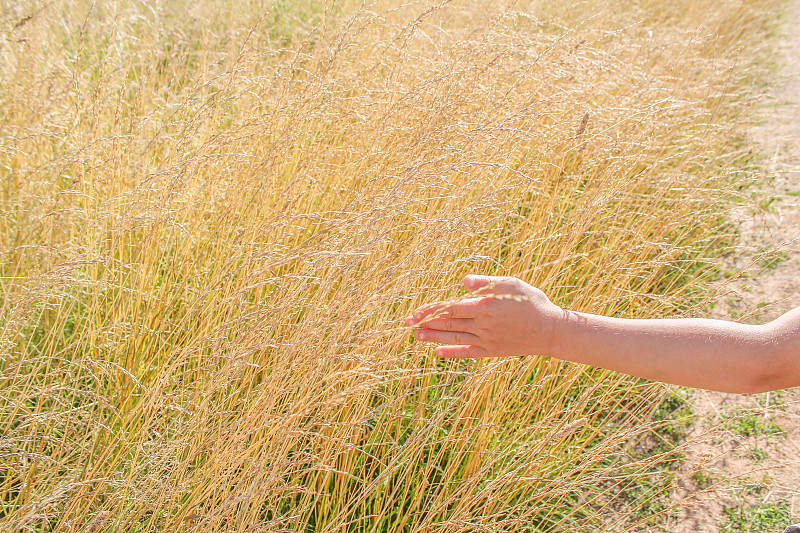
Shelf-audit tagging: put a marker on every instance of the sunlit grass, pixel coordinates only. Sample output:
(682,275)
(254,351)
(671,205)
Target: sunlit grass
(213,219)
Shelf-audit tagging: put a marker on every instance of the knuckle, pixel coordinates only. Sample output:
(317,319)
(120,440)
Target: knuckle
(484,305)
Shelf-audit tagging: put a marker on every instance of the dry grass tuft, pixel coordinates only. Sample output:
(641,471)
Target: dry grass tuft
(212,221)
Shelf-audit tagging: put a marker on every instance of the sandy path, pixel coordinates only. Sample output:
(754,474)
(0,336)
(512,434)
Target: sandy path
(759,471)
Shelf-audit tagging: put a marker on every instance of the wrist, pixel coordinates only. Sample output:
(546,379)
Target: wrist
(556,323)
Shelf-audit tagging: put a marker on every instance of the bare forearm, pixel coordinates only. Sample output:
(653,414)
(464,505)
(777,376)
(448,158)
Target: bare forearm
(508,317)
(709,354)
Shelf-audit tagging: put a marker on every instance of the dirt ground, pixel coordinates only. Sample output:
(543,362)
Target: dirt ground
(743,454)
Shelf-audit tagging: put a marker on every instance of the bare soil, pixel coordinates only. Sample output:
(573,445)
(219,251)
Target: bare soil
(743,452)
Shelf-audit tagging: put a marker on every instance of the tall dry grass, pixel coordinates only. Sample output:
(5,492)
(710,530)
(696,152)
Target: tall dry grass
(214,216)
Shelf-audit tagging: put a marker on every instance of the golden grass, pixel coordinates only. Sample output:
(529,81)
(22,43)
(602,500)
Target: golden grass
(213,220)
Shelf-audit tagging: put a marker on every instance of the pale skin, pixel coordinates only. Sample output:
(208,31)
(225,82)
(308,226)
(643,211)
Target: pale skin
(506,317)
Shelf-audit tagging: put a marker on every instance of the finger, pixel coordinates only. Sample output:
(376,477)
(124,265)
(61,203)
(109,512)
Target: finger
(461,352)
(475,282)
(446,337)
(449,324)
(466,308)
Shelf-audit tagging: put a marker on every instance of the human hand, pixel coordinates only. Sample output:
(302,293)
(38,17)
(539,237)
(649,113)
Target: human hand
(505,317)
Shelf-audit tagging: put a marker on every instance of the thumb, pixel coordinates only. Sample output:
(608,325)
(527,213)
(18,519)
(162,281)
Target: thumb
(474,283)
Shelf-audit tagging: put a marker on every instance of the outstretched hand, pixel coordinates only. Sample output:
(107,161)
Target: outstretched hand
(503,317)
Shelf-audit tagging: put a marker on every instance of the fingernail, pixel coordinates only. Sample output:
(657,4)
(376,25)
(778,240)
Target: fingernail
(417,315)
(420,336)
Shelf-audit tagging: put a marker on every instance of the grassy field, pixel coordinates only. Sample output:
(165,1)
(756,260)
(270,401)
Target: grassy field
(213,217)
